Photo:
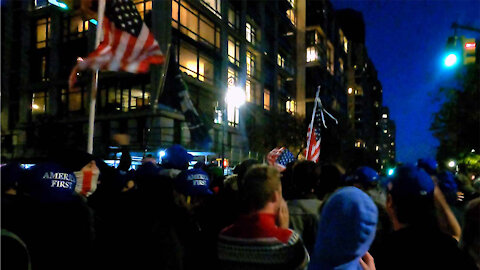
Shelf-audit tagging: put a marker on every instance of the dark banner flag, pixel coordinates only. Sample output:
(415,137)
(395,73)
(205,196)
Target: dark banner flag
(176,95)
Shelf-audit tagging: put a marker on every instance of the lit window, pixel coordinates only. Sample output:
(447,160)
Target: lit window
(232,77)
(43,32)
(358,144)
(312,54)
(340,64)
(330,58)
(266,99)
(248,91)
(233,18)
(384,116)
(345,44)
(376,123)
(280,61)
(193,25)
(39,103)
(290,106)
(196,65)
(376,147)
(392,144)
(385,131)
(233,115)
(233,50)
(213,5)
(251,33)
(377,160)
(250,64)
(143,6)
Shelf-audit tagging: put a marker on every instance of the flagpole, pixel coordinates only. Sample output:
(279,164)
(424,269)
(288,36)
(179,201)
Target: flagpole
(93,93)
(161,85)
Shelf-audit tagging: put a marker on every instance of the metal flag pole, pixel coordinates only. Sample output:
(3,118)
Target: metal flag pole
(158,93)
(93,93)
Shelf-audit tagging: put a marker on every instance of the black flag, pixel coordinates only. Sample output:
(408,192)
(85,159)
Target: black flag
(176,95)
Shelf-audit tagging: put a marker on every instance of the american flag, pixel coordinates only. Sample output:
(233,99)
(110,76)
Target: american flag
(314,135)
(128,45)
(280,157)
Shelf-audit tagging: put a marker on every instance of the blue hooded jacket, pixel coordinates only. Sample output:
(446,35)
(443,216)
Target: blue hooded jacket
(346,230)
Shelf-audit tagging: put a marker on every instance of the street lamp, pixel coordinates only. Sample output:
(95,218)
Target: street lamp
(450,60)
(234,99)
(451,164)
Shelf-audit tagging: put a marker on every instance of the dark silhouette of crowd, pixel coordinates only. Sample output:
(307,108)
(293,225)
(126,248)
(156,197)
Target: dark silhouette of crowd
(73,211)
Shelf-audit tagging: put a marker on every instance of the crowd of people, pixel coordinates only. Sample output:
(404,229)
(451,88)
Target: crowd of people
(73,211)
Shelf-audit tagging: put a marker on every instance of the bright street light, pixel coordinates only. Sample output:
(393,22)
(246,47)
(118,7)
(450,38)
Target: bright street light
(450,60)
(451,164)
(235,96)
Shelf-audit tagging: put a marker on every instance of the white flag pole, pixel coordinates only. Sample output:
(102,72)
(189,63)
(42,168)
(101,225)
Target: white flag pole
(93,93)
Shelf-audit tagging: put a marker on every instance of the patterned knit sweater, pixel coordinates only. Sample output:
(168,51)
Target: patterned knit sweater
(256,242)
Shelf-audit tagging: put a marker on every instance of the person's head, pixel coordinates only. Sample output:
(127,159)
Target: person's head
(191,187)
(261,189)
(346,230)
(176,157)
(470,241)
(364,178)
(410,198)
(306,176)
(430,165)
(330,180)
(446,182)
(50,182)
(11,174)
(242,168)
(125,162)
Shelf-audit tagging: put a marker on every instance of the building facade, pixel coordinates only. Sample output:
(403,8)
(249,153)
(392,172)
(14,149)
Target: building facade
(218,43)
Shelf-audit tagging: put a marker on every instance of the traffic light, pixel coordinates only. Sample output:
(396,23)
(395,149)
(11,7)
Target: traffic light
(452,55)
(390,171)
(469,47)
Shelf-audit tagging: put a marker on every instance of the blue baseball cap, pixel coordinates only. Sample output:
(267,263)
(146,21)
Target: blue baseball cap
(50,182)
(176,157)
(193,182)
(410,181)
(11,175)
(430,165)
(364,175)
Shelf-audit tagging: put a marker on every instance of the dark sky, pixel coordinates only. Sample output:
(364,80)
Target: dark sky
(406,40)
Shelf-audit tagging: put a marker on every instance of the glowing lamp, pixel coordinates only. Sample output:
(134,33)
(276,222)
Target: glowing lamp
(470,45)
(451,164)
(450,60)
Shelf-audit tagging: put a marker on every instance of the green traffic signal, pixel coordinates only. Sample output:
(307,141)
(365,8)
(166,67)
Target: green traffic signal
(450,60)
(390,171)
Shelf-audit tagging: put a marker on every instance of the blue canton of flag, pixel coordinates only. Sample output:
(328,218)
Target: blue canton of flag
(285,158)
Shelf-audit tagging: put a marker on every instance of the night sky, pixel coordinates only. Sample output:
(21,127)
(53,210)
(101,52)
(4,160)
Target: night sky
(406,41)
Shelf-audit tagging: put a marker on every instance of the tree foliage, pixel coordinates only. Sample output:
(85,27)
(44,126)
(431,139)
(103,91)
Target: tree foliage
(457,124)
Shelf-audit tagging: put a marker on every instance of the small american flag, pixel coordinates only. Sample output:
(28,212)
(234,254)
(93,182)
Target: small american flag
(128,45)
(314,137)
(280,157)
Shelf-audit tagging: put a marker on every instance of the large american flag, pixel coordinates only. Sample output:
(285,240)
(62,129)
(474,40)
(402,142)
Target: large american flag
(128,45)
